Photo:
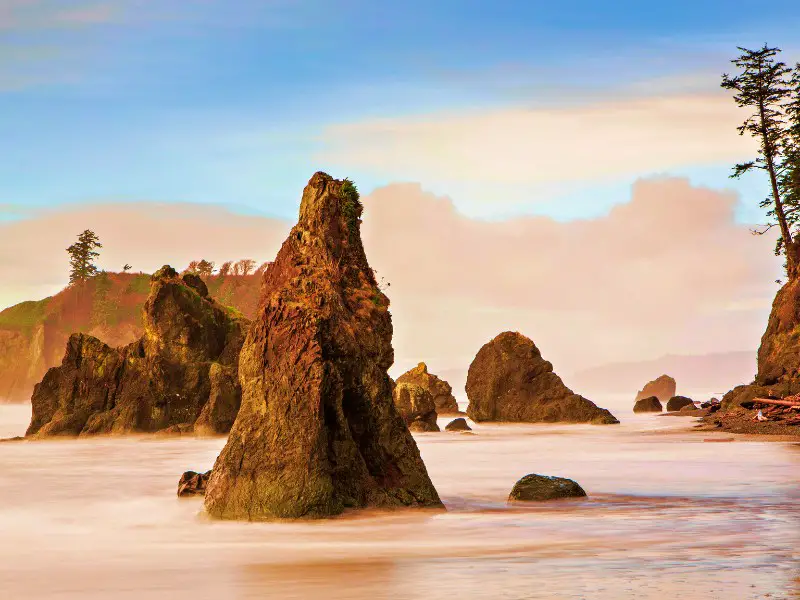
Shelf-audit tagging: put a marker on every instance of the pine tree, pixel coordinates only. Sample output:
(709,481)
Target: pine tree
(763,85)
(81,257)
(789,175)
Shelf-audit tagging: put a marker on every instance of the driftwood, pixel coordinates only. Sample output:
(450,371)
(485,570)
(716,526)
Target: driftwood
(789,403)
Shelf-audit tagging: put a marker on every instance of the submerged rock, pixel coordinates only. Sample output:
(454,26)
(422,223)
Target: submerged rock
(510,381)
(651,404)
(534,488)
(180,374)
(193,484)
(678,402)
(440,390)
(459,424)
(663,388)
(318,431)
(415,405)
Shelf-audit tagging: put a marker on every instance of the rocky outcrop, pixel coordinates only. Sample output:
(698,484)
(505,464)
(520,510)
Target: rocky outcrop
(678,402)
(459,424)
(181,373)
(663,388)
(415,405)
(651,404)
(193,484)
(439,389)
(318,432)
(537,488)
(510,381)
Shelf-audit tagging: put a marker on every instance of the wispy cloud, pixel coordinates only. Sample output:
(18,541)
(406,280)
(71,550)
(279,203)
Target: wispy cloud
(21,16)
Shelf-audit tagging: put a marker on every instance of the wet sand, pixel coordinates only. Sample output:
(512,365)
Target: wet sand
(667,515)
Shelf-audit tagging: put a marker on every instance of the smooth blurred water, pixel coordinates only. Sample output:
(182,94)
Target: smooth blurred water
(668,515)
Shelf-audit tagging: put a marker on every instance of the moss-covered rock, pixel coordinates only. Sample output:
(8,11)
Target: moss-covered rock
(510,381)
(318,432)
(181,371)
(536,488)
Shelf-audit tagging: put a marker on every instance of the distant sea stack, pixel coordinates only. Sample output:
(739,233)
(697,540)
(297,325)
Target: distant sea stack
(662,388)
(439,389)
(415,405)
(510,381)
(179,376)
(318,432)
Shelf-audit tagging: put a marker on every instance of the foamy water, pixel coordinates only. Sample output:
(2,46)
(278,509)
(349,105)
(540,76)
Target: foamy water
(668,515)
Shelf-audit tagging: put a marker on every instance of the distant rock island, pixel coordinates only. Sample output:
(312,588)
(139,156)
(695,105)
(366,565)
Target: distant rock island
(34,334)
(662,388)
(318,432)
(440,390)
(510,381)
(179,376)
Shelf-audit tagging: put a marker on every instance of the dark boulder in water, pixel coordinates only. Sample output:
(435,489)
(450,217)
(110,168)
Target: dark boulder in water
(180,375)
(535,488)
(318,432)
(676,403)
(193,484)
(651,404)
(459,424)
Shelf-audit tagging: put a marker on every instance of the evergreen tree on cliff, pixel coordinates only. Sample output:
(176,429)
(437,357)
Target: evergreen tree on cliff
(82,255)
(764,86)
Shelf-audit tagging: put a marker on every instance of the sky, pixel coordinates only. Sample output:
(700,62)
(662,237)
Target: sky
(511,112)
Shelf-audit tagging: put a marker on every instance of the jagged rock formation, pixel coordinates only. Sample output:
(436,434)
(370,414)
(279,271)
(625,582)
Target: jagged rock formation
(180,374)
(678,402)
(193,484)
(318,432)
(663,388)
(439,389)
(510,381)
(537,488)
(415,405)
(651,404)
(459,424)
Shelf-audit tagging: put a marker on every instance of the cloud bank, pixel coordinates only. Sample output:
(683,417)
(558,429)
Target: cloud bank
(667,271)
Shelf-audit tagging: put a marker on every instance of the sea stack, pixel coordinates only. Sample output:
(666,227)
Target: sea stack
(318,432)
(439,389)
(663,388)
(180,376)
(510,381)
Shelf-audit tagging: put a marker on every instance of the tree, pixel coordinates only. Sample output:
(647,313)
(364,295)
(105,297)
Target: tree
(102,307)
(789,181)
(192,267)
(225,269)
(81,257)
(246,266)
(205,268)
(763,85)
(126,268)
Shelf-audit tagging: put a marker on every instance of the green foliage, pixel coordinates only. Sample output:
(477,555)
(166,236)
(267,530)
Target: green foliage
(103,307)
(24,315)
(771,90)
(81,257)
(139,284)
(351,205)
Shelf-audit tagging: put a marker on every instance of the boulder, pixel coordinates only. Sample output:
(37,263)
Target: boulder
(439,389)
(535,488)
(651,404)
(662,387)
(678,402)
(179,376)
(193,484)
(510,381)
(415,405)
(689,408)
(459,424)
(318,432)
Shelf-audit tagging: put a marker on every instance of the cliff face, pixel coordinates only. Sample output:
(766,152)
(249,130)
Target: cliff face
(180,374)
(33,335)
(318,432)
(510,381)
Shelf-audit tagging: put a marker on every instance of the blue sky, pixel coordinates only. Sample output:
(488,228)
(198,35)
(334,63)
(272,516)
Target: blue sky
(229,102)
